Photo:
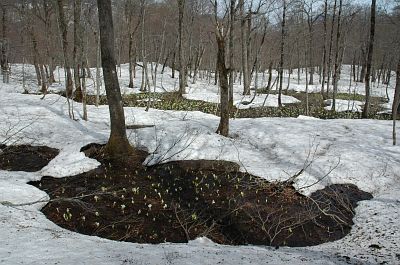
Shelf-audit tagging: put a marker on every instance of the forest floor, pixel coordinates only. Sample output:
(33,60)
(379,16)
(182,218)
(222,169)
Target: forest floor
(327,156)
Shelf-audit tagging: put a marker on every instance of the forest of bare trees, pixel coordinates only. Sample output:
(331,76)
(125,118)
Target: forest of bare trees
(229,42)
(180,34)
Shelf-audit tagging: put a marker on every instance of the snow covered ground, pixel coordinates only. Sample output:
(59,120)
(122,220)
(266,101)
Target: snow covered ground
(353,151)
(204,89)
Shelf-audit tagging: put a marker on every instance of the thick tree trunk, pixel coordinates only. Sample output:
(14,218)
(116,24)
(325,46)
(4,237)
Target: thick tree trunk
(223,127)
(118,146)
(369,61)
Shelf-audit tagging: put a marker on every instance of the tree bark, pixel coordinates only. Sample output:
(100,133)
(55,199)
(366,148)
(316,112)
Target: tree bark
(64,32)
(282,54)
(396,101)
(369,61)
(245,62)
(330,50)
(231,49)
(336,67)
(4,59)
(269,76)
(182,65)
(223,127)
(324,52)
(118,145)
(77,49)
(98,65)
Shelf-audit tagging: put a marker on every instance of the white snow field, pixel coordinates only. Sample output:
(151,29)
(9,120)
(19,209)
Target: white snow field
(336,151)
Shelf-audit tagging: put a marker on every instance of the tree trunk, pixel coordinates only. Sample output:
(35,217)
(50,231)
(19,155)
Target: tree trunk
(354,69)
(325,46)
(64,34)
(4,46)
(98,65)
(85,116)
(77,49)
(231,49)
(118,146)
(269,75)
(131,62)
(310,48)
(282,54)
(145,74)
(43,79)
(369,60)
(35,56)
(223,127)
(165,62)
(330,50)
(396,101)
(336,67)
(245,63)
(363,65)
(199,58)
(84,66)
(47,20)
(182,65)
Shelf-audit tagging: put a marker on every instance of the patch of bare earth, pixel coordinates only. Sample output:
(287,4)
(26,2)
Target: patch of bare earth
(25,157)
(182,200)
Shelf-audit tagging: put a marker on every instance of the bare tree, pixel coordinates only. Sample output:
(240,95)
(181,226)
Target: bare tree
(244,20)
(181,56)
(132,29)
(282,53)
(220,35)
(4,45)
(231,48)
(311,19)
(335,79)
(78,42)
(330,49)
(369,60)
(118,145)
(64,35)
(396,101)
(325,47)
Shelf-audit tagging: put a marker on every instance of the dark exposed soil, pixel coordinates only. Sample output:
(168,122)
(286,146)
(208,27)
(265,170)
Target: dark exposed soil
(25,157)
(179,201)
